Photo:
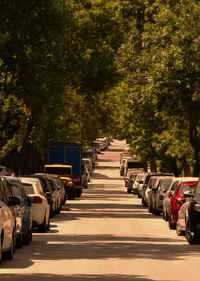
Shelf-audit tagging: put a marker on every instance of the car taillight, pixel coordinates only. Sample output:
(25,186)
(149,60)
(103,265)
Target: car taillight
(37,200)
(76,180)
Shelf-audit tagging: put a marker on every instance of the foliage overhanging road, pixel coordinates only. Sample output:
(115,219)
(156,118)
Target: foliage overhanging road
(107,235)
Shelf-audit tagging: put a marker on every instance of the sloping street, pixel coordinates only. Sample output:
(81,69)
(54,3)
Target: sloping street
(106,235)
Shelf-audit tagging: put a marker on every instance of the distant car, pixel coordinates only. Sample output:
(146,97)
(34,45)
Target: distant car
(131,182)
(189,216)
(155,203)
(40,206)
(136,184)
(48,190)
(158,195)
(25,210)
(84,177)
(176,198)
(7,223)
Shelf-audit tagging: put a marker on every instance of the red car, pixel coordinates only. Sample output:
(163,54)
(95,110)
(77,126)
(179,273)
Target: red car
(177,198)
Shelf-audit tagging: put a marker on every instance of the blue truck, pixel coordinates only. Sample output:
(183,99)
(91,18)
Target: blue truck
(68,154)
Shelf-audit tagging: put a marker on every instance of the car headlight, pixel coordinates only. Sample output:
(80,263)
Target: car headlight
(197,207)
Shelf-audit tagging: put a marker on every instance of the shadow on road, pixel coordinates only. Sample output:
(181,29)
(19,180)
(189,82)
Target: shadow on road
(96,247)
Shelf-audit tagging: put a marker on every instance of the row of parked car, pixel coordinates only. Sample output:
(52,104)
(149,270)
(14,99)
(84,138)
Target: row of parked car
(176,198)
(28,202)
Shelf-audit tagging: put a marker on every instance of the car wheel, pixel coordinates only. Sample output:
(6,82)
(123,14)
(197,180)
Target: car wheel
(28,237)
(43,226)
(192,237)
(19,241)
(179,231)
(171,225)
(78,192)
(150,210)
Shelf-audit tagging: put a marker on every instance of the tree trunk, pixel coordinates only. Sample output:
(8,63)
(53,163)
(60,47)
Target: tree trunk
(195,142)
(153,166)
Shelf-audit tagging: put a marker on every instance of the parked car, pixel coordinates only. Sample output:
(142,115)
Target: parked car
(25,210)
(140,184)
(131,182)
(84,177)
(16,212)
(7,222)
(58,189)
(158,194)
(40,206)
(176,197)
(150,185)
(137,182)
(155,201)
(65,174)
(88,164)
(189,216)
(48,190)
(146,178)
(122,163)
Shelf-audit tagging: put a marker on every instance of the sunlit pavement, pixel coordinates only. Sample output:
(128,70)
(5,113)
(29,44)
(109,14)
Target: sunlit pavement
(106,235)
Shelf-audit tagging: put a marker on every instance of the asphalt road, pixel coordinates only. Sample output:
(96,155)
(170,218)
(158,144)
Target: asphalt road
(106,235)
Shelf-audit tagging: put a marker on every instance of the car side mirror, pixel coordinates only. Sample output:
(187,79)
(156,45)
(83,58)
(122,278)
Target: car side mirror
(48,195)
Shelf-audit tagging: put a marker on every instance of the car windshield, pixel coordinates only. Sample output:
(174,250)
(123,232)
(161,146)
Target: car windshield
(58,170)
(165,185)
(29,188)
(187,187)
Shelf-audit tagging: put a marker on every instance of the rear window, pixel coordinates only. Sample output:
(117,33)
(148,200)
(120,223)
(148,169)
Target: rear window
(186,186)
(16,189)
(29,188)
(136,165)
(58,170)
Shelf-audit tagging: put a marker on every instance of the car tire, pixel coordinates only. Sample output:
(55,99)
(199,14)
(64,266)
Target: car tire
(150,210)
(19,241)
(27,237)
(79,192)
(128,190)
(192,238)
(43,226)
(171,225)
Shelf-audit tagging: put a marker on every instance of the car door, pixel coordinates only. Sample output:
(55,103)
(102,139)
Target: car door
(7,220)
